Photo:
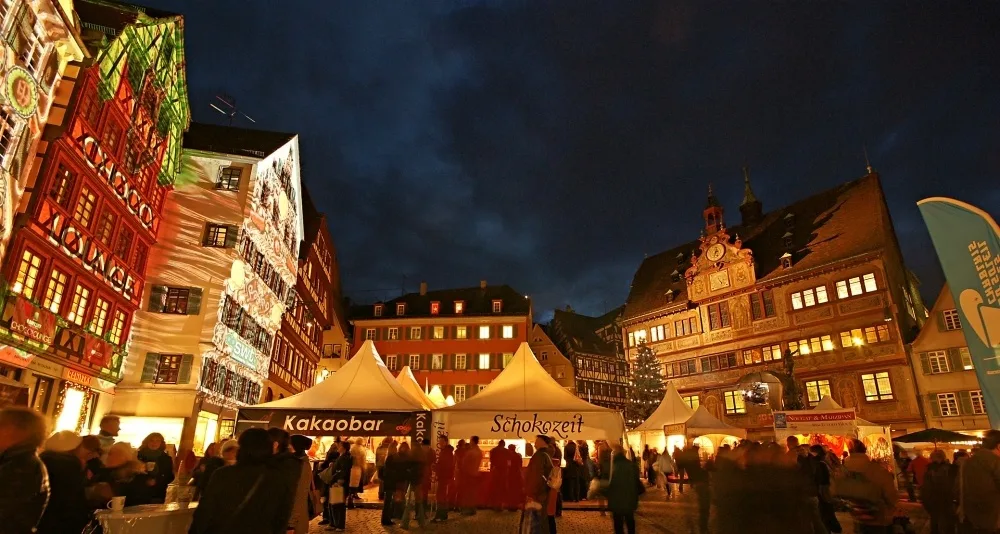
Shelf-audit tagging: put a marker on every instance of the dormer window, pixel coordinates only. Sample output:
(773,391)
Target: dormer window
(788,238)
(786,260)
(400,309)
(497,306)
(435,308)
(459,307)
(378,310)
(680,258)
(675,276)
(670,294)
(789,221)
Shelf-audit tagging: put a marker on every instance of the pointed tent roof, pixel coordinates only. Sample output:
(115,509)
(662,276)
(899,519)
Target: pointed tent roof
(437,397)
(362,384)
(410,384)
(703,422)
(671,411)
(524,385)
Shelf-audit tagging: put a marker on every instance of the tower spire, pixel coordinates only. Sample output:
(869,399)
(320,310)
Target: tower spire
(748,196)
(868,164)
(751,209)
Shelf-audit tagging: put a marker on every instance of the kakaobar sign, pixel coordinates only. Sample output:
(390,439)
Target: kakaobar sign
(340,423)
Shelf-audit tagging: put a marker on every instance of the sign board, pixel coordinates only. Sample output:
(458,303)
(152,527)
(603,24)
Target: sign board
(338,423)
(835,422)
(45,367)
(241,351)
(15,357)
(33,322)
(78,377)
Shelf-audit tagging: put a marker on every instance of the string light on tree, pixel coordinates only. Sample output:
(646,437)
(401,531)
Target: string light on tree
(647,387)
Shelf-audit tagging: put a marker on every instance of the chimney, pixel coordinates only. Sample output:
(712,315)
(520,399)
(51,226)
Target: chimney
(569,308)
(482,284)
(423,288)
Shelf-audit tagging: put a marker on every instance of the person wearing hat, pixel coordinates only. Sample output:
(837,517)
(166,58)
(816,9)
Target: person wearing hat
(65,455)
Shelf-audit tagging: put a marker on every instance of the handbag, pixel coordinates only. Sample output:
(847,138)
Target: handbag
(326,475)
(355,477)
(336,495)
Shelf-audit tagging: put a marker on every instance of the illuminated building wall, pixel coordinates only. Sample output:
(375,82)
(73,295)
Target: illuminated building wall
(77,261)
(600,371)
(820,281)
(551,358)
(460,339)
(314,316)
(220,274)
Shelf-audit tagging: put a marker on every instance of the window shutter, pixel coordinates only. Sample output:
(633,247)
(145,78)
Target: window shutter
(955,359)
(445,333)
(925,364)
(204,236)
(965,402)
(232,235)
(184,372)
(149,368)
(194,301)
(156,298)
(935,407)
(405,333)
(515,331)
(454,332)
(472,332)
(940,321)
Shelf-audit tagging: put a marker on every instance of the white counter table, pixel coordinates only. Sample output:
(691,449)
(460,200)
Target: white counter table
(172,518)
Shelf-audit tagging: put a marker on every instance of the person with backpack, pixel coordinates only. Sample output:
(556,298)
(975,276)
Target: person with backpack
(869,489)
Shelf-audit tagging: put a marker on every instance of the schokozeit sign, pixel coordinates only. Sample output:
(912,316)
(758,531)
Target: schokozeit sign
(340,423)
(524,428)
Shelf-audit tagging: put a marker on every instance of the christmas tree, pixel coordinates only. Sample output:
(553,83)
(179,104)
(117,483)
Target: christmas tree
(647,387)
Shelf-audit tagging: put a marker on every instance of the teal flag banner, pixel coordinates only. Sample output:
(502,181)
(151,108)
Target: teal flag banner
(967,241)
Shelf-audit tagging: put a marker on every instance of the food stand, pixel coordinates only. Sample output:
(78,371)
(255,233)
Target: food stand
(671,411)
(707,431)
(832,425)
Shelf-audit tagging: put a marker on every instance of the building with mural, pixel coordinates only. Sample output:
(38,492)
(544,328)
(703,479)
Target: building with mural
(220,279)
(820,282)
(950,393)
(314,309)
(76,266)
(593,346)
(551,358)
(459,339)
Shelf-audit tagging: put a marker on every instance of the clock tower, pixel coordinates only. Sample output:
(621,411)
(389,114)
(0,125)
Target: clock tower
(713,214)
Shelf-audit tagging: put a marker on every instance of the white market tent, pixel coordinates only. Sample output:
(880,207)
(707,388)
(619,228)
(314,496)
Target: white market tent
(671,411)
(829,417)
(703,423)
(523,401)
(410,384)
(437,397)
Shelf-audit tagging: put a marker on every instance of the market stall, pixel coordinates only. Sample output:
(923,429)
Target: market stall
(362,399)
(707,431)
(671,411)
(410,384)
(832,425)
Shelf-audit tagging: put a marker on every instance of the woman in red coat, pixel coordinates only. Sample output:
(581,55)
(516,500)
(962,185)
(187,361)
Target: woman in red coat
(515,479)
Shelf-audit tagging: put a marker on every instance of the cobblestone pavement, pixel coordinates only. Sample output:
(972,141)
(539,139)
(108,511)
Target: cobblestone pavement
(655,515)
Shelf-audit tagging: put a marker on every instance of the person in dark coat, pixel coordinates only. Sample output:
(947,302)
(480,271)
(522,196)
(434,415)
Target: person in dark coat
(623,492)
(124,476)
(536,487)
(937,493)
(206,466)
(243,498)
(395,472)
(159,465)
(498,475)
(341,479)
(284,461)
(64,457)
(444,468)
(24,482)
(571,473)
(585,470)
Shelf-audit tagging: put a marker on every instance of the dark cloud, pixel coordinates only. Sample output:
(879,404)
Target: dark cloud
(550,145)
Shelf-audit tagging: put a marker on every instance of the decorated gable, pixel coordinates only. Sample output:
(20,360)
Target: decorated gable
(720,267)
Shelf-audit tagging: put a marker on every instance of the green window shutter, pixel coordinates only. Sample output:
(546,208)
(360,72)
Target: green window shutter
(149,368)
(232,235)
(194,301)
(940,321)
(472,332)
(925,364)
(935,407)
(156,298)
(515,331)
(454,332)
(955,360)
(184,373)
(378,334)
(446,332)
(405,334)
(965,402)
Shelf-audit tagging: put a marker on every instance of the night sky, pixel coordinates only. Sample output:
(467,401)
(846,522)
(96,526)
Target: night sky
(550,145)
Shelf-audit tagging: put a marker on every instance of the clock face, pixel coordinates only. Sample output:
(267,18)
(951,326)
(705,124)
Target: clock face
(715,252)
(718,280)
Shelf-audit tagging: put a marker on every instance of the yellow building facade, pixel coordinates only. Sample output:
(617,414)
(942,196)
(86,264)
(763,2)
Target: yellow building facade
(551,358)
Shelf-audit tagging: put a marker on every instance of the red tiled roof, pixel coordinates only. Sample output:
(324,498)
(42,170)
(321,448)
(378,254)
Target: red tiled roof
(831,226)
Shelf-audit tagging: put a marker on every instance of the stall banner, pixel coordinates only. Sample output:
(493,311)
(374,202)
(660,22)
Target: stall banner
(33,322)
(836,422)
(967,241)
(96,351)
(527,426)
(338,423)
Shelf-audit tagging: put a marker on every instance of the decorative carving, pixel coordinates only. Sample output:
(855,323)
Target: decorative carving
(813,315)
(860,304)
(742,274)
(739,310)
(719,335)
(688,342)
(818,359)
(773,323)
(713,405)
(848,396)
(699,288)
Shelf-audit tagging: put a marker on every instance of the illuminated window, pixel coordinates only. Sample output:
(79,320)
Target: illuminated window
(27,275)
(869,281)
(692,401)
(809,297)
(393,333)
(100,318)
(437,361)
(718,315)
(459,394)
(497,306)
(937,362)
(124,244)
(877,334)
(117,328)
(951,321)
(877,386)
(229,179)
(85,207)
(461,332)
(656,333)
(7,133)
(416,332)
(177,300)
(400,308)
(484,332)
(54,291)
(378,310)
(947,404)
(734,403)
(414,361)
(816,390)
(370,334)
(681,368)
(508,331)
(460,361)
(978,406)
(718,362)
(62,186)
(507,357)
(685,327)
(811,345)
(544,356)
(105,227)
(24,40)
(168,369)
(459,307)
(435,308)
(78,308)
(966,359)
(484,361)
(856,286)
(390,362)
(216,235)
(437,333)
(762,305)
